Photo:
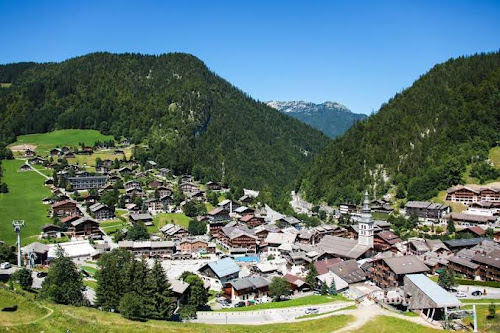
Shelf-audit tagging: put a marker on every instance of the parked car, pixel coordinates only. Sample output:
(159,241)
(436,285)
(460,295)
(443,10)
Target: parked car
(239,304)
(312,310)
(460,294)
(5,265)
(477,293)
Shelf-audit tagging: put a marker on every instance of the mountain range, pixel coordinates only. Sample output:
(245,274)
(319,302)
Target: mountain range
(192,120)
(420,142)
(331,118)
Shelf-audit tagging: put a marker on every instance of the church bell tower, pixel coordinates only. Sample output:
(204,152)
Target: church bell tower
(365,236)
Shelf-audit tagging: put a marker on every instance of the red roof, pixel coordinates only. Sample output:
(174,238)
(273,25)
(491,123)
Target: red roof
(322,265)
(246,218)
(475,229)
(61,203)
(70,218)
(290,278)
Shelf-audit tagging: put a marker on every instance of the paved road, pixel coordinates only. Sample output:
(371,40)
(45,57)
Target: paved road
(263,316)
(490,292)
(36,170)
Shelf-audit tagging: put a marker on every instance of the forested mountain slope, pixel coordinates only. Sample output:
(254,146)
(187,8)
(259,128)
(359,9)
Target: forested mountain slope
(331,118)
(191,119)
(420,141)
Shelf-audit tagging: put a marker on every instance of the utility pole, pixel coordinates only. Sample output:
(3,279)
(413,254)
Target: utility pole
(17,224)
(475,317)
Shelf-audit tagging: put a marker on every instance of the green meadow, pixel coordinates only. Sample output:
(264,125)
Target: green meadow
(23,202)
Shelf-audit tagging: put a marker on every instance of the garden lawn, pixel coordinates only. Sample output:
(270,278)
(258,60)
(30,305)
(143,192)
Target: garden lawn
(386,324)
(69,137)
(481,300)
(164,218)
(495,156)
(83,319)
(89,160)
(90,270)
(23,202)
(484,324)
(307,300)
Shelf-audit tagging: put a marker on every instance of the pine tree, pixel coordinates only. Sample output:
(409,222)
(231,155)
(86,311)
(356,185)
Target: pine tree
(198,296)
(333,288)
(162,304)
(110,278)
(311,276)
(324,289)
(63,283)
(450,228)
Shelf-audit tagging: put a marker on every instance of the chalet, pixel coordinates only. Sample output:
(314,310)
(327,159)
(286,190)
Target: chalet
(347,209)
(68,219)
(112,179)
(102,170)
(179,291)
(246,289)
(456,245)
(389,272)
(163,191)
(245,200)
(427,211)
(69,154)
(151,164)
(50,231)
(242,210)
(288,221)
(214,186)
(198,196)
(219,214)
(466,220)
(65,208)
(417,247)
(343,247)
(263,230)
(323,265)
(38,160)
(107,163)
(155,206)
(307,237)
(188,188)
(329,229)
(187,179)
(274,240)
(55,152)
(29,153)
(100,211)
(84,227)
(472,232)
(238,237)
(381,206)
(219,272)
(228,205)
(489,265)
(87,182)
(118,152)
(49,182)
(39,250)
(348,270)
(124,171)
(192,245)
(167,200)
(145,218)
(487,208)
(154,184)
(25,167)
(252,221)
(87,150)
(296,283)
(384,240)
(473,193)
(173,231)
(132,185)
(164,172)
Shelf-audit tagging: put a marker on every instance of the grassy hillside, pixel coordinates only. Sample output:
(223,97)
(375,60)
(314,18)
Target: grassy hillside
(192,120)
(84,319)
(23,202)
(44,142)
(421,141)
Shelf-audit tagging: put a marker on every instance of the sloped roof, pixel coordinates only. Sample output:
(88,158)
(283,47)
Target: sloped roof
(491,259)
(406,264)
(322,265)
(342,247)
(178,287)
(280,238)
(36,247)
(250,282)
(440,297)
(349,271)
(224,267)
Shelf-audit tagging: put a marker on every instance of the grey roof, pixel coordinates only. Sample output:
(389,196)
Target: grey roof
(36,247)
(224,267)
(342,247)
(81,220)
(348,271)
(420,245)
(463,262)
(280,238)
(440,297)
(141,216)
(178,287)
(425,205)
(291,220)
(98,206)
(491,259)
(464,242)
(250,282)
(406,264)
(233,232)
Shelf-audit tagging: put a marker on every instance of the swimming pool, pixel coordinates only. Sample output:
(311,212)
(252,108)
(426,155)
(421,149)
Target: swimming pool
(247,259)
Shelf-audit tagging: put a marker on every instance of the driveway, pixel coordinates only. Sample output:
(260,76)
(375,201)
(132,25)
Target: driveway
(490,292)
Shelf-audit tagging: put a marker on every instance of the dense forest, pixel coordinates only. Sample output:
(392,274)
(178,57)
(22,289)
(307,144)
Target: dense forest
(189,119)
(420,141)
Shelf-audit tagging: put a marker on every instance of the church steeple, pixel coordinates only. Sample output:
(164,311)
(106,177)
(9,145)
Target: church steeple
(365,235)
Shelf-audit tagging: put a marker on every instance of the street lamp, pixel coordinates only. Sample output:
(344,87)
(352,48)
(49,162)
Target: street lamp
(17,224)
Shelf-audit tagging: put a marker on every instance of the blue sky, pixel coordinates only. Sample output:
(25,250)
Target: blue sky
(359,53)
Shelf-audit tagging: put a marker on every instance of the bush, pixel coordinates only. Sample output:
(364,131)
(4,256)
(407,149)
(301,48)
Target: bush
(24,278)
(132,306)
(188,312)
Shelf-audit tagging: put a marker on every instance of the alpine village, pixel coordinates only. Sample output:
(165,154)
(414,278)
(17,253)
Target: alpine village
(146,193)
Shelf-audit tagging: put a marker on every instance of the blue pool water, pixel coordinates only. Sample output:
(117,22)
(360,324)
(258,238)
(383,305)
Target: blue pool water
(247,259)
